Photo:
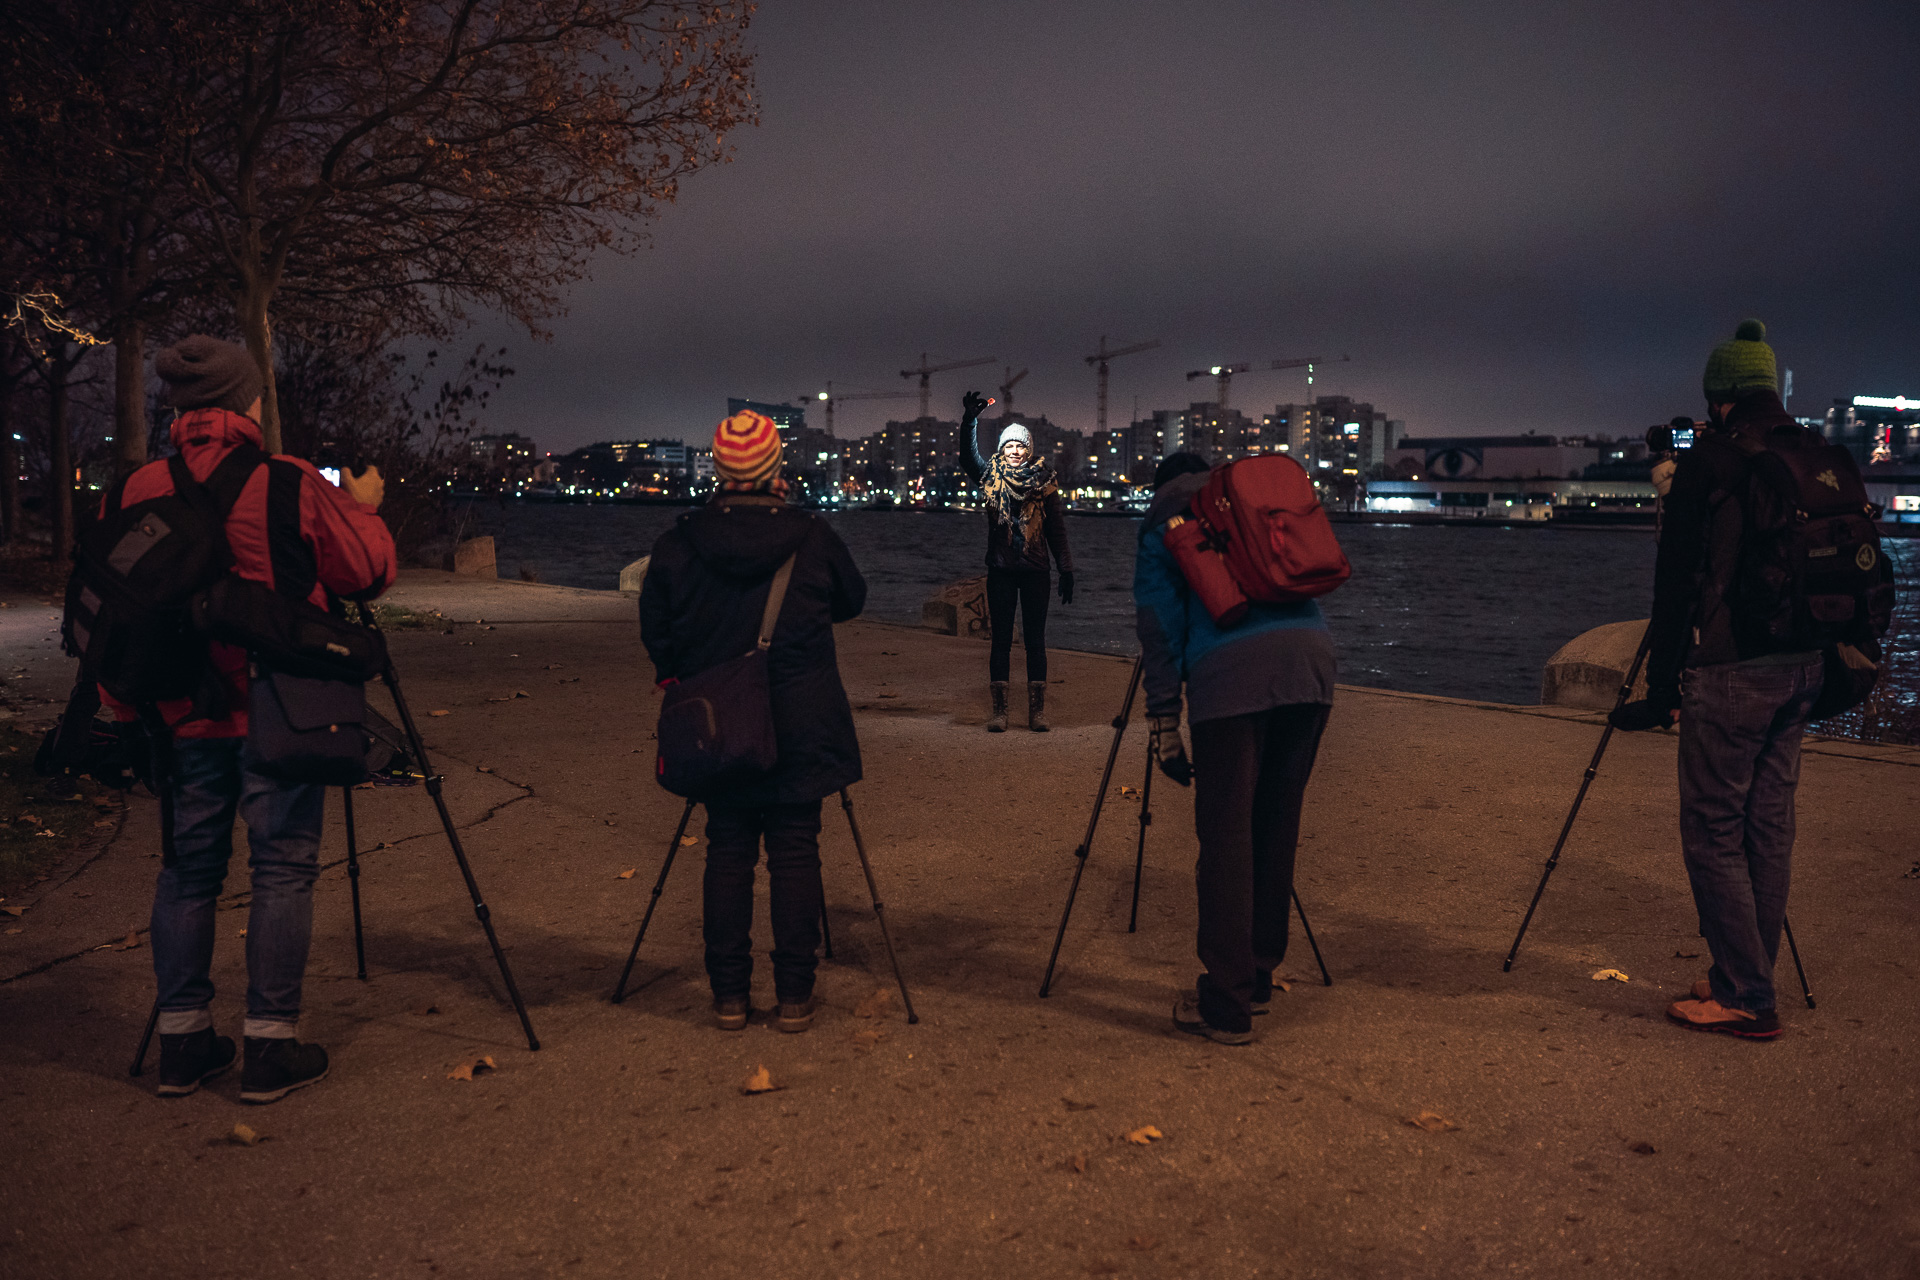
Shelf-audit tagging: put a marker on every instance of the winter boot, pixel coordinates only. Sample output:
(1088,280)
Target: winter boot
(186,1060)
(275,1067)
(1037,705)
(997,723)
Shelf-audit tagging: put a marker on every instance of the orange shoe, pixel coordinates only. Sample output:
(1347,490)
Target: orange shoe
(1703,989)
(1711,1015)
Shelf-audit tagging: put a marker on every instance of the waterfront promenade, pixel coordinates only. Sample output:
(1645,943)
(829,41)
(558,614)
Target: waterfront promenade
(1572,1131)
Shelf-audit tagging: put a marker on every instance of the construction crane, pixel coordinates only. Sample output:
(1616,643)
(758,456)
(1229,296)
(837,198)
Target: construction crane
(926,371)
(1006,389)
(1223,373)
(829,399)
(1099,361)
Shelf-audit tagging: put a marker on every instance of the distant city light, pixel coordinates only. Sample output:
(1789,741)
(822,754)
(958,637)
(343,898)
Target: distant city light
(1898,403)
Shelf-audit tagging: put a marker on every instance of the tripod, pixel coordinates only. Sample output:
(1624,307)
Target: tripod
(434,788)
(1579,798)
(873,891)
(1140,849)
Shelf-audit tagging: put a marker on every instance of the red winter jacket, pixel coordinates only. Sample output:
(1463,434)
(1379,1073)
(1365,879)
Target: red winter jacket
(352,547)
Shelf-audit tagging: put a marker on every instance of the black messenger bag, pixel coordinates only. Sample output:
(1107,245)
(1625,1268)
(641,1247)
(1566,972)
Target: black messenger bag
(716,728)
(306,731)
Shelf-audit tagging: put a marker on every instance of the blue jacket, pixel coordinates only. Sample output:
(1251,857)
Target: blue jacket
(1278,655)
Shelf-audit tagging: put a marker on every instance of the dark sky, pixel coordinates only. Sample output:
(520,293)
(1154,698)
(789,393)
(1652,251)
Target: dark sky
(1514,216)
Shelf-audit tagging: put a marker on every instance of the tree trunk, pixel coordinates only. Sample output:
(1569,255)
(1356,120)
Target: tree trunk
(258,332)
(60,454)
(9,466)
(129,397)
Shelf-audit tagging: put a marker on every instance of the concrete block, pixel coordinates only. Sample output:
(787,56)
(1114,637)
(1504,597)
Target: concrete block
(959,610)
(634,576)
(474,556)
(1588,669)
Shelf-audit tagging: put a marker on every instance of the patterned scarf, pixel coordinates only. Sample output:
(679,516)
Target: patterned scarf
(1019,494)
(774,484)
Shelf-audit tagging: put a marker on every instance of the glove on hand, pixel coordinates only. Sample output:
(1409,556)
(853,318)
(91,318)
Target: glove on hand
(972,405)
(1169,750)
(1066,586)
(1644,714)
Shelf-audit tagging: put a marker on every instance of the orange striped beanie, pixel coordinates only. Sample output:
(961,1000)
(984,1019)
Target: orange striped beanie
(746,447)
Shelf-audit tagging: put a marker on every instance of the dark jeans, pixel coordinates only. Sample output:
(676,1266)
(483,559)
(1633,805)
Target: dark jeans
(1740,730)
(1030,588)
(792,834)
(283,839)
(1249,776)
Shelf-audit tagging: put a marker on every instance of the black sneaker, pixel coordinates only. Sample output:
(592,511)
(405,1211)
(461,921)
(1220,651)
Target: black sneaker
(189,1060)
(276,1067)
(1187,1017)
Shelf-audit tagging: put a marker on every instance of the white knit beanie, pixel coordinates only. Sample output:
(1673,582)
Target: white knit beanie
(1014,431)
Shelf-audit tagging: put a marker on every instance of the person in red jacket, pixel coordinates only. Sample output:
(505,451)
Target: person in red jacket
(321,540)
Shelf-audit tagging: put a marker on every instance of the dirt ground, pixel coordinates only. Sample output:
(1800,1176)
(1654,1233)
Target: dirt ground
(1572,1131)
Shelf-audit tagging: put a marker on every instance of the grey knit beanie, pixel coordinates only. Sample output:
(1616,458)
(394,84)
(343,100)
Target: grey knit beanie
(206,373)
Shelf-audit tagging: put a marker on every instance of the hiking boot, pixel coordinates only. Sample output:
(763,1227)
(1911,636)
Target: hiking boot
(1711,1015)
(276,1067)
(1037,705)
(186,1061)
(997,722)
(731,1014)
(796,1017)
(1186,1016)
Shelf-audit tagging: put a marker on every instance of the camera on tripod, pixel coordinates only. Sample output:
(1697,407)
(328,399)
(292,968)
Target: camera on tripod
(1673,436)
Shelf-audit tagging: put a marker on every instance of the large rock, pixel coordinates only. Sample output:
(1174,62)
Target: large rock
(1588,669)
(959,610)
(474,556)
(634,576)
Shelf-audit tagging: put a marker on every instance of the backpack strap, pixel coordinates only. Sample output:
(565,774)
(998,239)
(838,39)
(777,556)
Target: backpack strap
(295,568)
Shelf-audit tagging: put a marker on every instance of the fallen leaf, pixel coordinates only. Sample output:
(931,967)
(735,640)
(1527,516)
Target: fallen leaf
(868,1038)
(1078,1164)
(1432,1122)
(627,874)
(1285,984)
(130,942)
(761,1081)
(687,842)
(875,1005)
(48,834)
(244,1136)
(439,713)
(521,693)
(28,817)
(1079,1106)
(1141,1244)
(466,1070)
(1129,792)
(15,912)
(1604,974)
(1144,1135)
(1642,1148)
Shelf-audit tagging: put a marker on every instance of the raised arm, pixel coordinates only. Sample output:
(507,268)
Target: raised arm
(972,461)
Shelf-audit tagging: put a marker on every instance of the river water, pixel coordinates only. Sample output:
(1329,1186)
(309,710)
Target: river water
(1462,611)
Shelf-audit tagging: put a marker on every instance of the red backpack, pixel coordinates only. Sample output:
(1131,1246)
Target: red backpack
(1256,532)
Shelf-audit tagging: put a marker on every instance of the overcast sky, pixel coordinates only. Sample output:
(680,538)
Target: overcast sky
(1512,216)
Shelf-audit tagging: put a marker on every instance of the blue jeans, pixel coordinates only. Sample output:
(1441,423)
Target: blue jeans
(283,820)
(1740,728)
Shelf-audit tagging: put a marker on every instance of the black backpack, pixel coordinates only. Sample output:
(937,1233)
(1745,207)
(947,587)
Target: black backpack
(1811,572)
(136,571)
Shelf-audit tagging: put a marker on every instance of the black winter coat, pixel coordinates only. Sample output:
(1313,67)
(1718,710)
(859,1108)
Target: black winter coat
(700,606)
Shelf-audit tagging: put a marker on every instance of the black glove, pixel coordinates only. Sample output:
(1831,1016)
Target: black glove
(1066,586)
(1632,717)
(972,405)
(1169,751)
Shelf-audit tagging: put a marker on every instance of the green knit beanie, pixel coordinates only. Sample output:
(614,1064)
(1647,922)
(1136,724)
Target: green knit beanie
(1740,366)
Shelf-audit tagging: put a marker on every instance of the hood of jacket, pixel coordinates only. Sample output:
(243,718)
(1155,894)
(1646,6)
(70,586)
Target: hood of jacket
(1173,497)
(1760,413)
(745,541)
(220,429)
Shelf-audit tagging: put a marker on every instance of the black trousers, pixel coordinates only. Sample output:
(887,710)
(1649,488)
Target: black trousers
(1249,776)
(792,835)
(1029,588)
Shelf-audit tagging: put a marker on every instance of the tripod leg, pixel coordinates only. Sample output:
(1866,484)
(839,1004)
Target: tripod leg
(1326,979)
(1586,780)
(1805,990)
(435,788)
(673,847)
(1140,850)
(353,883)
(146,1038)
(879,911)
(1093,819)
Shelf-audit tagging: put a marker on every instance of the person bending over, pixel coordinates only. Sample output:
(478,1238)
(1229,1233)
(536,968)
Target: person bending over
(706,588)
(1025,519)
(1258,694)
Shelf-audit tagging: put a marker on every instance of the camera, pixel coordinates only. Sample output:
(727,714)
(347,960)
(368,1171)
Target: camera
(1673,436)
